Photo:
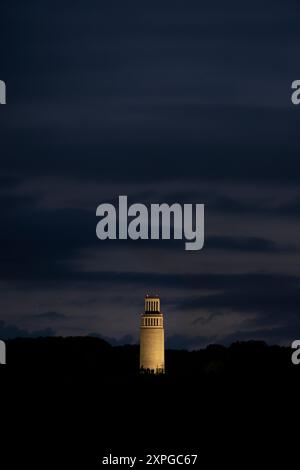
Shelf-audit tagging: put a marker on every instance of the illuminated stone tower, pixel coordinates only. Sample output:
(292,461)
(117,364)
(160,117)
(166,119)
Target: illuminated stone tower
(152,342)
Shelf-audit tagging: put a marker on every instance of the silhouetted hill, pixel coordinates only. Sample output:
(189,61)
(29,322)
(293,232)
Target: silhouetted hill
(76,399)
(97,359)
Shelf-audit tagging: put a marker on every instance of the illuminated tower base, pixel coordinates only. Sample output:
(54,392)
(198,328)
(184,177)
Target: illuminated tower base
(152,342)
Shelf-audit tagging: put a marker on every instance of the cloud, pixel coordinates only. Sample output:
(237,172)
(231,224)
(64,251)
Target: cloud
(126,339)
(247,245)
(143,97)
(45,243)
(48,316)
(179,341)
(12,331)
(282,335)
(274,295)
(52,316)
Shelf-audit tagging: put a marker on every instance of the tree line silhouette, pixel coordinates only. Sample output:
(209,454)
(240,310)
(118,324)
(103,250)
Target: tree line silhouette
(95,358)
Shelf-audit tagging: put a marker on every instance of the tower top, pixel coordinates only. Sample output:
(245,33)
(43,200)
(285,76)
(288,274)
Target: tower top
(152,304)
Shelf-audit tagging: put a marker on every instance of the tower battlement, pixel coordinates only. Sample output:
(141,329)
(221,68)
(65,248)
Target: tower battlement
(152,303)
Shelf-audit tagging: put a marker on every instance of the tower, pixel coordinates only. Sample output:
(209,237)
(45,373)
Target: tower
(152,342)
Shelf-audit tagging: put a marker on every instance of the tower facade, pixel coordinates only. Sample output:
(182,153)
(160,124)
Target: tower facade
(152,341)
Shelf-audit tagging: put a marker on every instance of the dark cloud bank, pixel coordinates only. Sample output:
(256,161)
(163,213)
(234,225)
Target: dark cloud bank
(146,100)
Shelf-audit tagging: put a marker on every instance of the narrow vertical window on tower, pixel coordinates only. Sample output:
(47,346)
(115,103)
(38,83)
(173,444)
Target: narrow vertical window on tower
(152,342)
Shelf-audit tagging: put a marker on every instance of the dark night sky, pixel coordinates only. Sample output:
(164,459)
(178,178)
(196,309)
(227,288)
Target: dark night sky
(165,102)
